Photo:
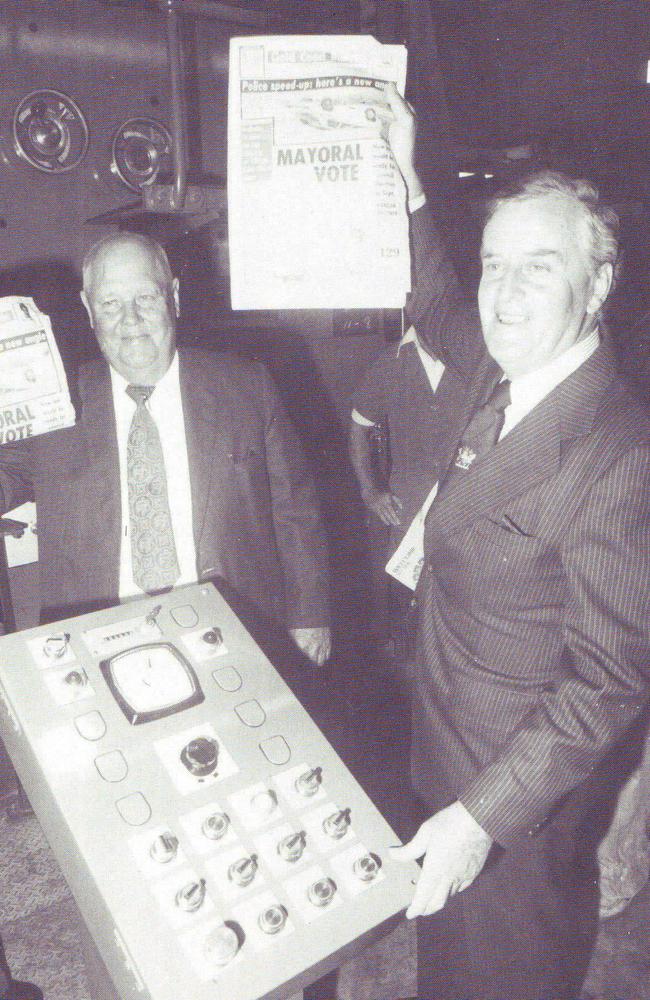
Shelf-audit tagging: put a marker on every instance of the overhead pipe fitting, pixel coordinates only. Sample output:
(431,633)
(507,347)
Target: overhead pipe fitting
(178,117)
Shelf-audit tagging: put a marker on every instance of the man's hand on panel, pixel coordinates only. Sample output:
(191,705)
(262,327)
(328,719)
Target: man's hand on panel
(454,848)
(315,643)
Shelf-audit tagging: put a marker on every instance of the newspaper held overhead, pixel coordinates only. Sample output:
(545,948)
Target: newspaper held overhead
(34,397)
(316,206)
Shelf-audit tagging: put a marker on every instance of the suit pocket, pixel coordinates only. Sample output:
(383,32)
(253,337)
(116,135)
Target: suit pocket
(510,538)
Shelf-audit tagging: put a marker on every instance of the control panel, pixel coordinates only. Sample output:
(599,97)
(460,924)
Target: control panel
(217,846)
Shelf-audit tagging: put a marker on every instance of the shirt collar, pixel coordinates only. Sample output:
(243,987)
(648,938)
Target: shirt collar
(170,378)
(411,337)
(531,388)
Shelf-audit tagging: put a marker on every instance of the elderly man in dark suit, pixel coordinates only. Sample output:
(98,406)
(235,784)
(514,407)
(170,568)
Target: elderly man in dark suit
(182,466)
(534,596)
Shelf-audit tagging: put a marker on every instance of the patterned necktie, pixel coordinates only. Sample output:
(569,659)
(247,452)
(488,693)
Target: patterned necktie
(153,550)
(482,432)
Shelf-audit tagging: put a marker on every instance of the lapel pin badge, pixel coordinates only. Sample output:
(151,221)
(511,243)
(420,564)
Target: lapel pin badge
(464,457)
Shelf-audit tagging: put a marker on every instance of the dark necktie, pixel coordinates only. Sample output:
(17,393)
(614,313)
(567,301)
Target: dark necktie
(153,550)
(482,432)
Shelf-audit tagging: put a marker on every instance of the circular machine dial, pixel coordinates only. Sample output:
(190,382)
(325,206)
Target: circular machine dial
(151,681)
(141,149)
(50,131)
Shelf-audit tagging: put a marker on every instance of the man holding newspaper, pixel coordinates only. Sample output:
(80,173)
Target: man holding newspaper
(534,595)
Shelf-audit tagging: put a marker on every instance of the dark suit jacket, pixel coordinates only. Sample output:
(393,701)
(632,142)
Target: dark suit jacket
(255,511)
(535,596)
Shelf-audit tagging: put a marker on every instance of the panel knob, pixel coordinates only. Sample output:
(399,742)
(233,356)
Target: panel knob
(200,756)
(367,867)
(216,825)
(292,847)
(309,782)
(164,848)
(56,646)
(213,637)
(191,896)
(338,824)
(272,919)
(76,679)
(322,892)
(243,871)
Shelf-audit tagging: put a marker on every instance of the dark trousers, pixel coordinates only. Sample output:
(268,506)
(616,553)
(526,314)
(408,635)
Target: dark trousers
(526,928)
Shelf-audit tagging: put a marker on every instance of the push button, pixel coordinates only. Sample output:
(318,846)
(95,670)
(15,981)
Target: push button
(264,803)
(200,756)
(112,766)
(227,678)
(134,809)
(251,713)
(322,892)
(221,945)
(272,919)
(276,750)
(91,726)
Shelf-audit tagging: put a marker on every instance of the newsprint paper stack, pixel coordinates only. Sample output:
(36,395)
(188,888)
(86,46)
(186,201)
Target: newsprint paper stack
(34,397)
(316,206)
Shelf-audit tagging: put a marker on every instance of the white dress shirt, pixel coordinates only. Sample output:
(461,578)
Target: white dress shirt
(528,390)
(166,408)
(434,370)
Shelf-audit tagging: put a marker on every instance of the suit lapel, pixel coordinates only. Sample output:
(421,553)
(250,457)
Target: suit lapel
(201,414)
(101,486)
(530,453)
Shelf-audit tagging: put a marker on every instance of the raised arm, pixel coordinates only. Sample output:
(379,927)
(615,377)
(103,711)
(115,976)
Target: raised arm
(445,319)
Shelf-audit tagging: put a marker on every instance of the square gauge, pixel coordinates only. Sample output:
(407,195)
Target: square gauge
(152,681)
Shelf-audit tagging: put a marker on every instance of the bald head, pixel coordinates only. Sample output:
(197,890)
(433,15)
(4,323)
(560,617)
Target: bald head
(115,244)
(132,302)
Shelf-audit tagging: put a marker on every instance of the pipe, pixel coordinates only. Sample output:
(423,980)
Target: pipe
(177,124)
(223,12)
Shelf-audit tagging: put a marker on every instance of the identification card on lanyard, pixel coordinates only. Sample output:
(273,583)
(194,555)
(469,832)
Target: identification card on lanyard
(405,564)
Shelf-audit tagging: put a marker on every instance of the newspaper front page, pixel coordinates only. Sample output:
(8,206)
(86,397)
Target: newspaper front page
(34,397)
(316,206)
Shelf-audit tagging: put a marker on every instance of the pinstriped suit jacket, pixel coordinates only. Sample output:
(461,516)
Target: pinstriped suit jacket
(535,596)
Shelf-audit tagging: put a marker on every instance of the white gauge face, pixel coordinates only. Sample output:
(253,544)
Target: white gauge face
(152,679)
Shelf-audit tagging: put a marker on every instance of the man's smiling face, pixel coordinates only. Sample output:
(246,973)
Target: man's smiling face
(538,293)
